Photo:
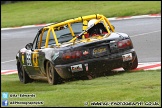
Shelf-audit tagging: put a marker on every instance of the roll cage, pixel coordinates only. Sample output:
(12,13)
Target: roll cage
(67,24)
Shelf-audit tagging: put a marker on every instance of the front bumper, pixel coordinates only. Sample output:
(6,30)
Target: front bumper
(95,65)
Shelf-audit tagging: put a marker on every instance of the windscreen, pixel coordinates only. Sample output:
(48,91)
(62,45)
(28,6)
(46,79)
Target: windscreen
(63,35)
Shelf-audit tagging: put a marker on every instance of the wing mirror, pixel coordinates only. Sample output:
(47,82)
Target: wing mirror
(29,46)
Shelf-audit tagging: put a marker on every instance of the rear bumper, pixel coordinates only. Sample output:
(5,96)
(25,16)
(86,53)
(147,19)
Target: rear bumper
(95,65)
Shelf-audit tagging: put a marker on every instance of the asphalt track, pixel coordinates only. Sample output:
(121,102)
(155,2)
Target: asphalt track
(144,32)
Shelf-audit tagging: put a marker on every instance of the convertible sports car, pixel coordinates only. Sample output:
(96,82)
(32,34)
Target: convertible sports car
(82,46)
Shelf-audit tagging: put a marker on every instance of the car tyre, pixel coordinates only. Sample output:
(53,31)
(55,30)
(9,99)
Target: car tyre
(23,76)
(134,65)
(52,75)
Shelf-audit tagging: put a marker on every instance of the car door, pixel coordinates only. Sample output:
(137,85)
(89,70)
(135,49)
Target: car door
(32,57)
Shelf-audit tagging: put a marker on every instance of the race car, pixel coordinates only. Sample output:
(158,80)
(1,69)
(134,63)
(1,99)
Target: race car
(82,46)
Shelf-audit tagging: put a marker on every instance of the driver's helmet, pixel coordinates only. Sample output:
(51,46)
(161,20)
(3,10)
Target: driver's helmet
(91,22)
(97,29)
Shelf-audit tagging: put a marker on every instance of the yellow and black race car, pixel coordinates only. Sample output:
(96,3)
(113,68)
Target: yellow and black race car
(82,46)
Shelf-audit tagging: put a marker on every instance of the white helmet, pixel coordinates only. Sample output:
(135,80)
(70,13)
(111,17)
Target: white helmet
(91,22)
(99,28)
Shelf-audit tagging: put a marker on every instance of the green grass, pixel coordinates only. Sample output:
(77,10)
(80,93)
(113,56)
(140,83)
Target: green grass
(142,86)
(33,12)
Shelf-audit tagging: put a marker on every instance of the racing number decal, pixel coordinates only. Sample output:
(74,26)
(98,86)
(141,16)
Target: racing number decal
(35,59)
(28,58)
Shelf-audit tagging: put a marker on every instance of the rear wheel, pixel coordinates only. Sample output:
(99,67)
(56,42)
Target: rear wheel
(23,76)
(132,66)
(52,75)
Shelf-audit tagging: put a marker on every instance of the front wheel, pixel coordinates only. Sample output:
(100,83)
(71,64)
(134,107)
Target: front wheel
(52,75)
(23,76)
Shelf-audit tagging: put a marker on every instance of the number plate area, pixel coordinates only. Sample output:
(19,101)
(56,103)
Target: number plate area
(127,57)
(77,68)
(100,51)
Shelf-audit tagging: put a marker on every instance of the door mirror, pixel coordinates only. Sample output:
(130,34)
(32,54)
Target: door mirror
(29,46)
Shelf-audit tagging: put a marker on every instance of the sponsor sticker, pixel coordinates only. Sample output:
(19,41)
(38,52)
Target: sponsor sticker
(22,58)
(127,57)
(85,52)
(35,56)
(77,68)
(99,51)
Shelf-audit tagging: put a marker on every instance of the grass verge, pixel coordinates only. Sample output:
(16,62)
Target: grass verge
(142,88)
(39,12)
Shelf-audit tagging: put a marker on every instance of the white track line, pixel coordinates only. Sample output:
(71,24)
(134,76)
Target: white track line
(8,61)
(145,33)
